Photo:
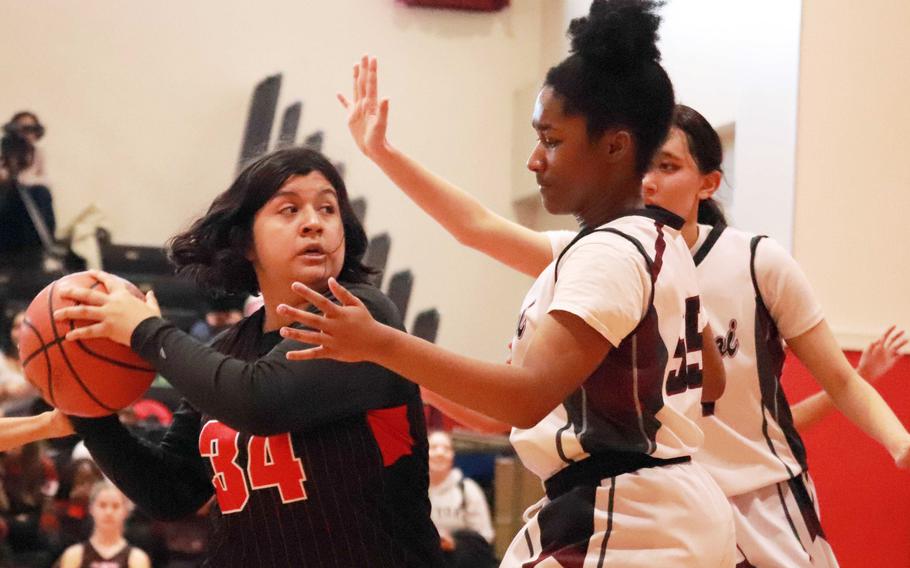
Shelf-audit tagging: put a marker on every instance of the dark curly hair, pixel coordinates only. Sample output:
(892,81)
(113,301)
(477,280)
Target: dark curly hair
(213,250)
(613,75)
(708,153)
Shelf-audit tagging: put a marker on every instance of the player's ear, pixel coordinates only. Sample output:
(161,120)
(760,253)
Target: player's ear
(710,183)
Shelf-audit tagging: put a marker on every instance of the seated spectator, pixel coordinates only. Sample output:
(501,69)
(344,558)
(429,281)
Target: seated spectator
(106,547)
(223,312)
(15,391)
(26,505)
(73,510)
(460,511)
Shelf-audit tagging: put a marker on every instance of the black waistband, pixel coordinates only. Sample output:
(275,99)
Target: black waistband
(591,470)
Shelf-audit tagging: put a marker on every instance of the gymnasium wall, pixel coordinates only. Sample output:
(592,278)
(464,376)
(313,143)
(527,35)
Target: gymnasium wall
(852,179)
(863,497)
(145,108)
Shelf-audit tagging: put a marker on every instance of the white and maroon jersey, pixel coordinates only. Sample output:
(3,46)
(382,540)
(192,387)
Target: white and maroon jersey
(632,280)
(754,295)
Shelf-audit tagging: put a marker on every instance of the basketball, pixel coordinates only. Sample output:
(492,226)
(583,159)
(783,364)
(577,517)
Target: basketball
(89,378)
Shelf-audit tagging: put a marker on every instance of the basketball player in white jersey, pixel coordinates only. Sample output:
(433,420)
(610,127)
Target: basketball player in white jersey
(755,297)
(606,360)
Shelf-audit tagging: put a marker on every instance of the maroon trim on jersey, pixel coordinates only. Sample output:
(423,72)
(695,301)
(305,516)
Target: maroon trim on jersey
(745,562)
(612,417)
(660,245)
(391,428)
(769,359)
(806,507)
(566,527)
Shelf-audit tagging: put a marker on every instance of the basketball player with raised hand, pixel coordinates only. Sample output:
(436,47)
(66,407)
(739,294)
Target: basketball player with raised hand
(757,297)
(607,359)
(312,463)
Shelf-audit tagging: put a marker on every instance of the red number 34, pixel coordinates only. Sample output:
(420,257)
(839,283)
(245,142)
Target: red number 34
(270,463)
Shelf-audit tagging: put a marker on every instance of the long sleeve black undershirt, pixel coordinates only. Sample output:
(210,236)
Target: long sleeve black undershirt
(271,395)
(264,397)
(167,480)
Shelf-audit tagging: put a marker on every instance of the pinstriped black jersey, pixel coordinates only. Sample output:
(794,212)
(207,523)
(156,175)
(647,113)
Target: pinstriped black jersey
(314,463)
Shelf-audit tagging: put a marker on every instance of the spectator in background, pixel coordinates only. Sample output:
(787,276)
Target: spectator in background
(460,510)
(26,506)
(22,239)
(73,510)
(16,393)
(106,547)
(223,312)
(31,129)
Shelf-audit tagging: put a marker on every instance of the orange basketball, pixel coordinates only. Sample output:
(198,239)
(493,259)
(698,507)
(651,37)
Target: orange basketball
(93,377)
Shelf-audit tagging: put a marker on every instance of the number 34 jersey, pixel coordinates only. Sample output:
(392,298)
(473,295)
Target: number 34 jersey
(633,281)
(312,463)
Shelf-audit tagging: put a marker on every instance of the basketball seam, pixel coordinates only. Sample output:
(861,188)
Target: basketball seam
(109,360)
(43,350)
(91,395)
(104,358)
(44,346)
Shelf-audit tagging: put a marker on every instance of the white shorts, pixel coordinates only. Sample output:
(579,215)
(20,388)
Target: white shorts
(673,516)
(779,525)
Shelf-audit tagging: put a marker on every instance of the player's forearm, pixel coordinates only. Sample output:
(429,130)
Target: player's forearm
(715,376)
(864,406)
(465,416)
(264,397)
(18,431)
(853,396)
(809,411)
(165,485)
(464,217)
(502,392)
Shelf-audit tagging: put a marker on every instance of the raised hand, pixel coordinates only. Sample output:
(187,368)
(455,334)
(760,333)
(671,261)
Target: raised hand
(367,116)
(116,312)
(345,333)
(880,356)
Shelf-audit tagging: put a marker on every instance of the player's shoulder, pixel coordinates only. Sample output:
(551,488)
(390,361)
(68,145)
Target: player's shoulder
(72,556)
(379,305)
(138,558)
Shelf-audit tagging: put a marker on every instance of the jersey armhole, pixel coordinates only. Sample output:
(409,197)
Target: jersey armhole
(753,247)
(641,249)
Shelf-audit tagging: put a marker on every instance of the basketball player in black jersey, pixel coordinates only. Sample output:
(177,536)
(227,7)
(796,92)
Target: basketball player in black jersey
(313,464)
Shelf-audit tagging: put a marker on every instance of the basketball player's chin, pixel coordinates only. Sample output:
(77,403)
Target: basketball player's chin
(552,204)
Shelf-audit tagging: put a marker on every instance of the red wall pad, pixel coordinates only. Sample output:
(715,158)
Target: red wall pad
(467,5)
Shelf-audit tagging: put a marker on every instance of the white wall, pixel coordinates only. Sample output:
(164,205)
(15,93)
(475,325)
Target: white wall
(736,63)
(853,183)
(145,107)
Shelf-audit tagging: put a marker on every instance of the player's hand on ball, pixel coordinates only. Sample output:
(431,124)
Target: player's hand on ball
(116,312)
(345,333)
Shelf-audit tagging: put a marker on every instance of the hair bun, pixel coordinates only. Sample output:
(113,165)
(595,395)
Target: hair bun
(618,34)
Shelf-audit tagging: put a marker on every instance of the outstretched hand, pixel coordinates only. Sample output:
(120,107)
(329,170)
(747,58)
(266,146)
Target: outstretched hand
(367,116)
(345,333)
(881,355)
(116,313)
